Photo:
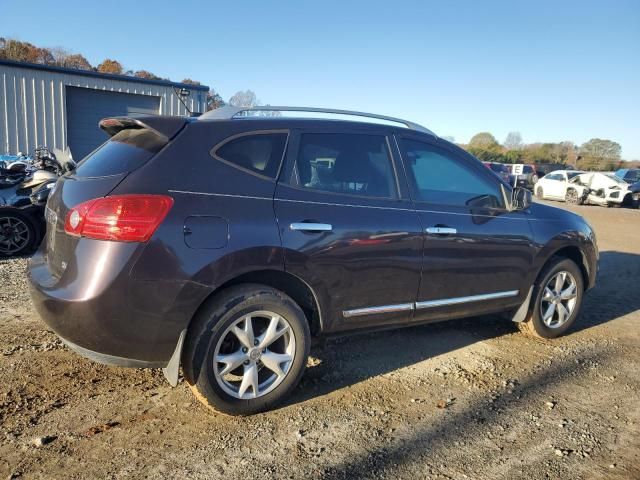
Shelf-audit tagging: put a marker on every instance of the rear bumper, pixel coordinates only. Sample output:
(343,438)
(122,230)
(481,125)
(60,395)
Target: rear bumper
(103,314)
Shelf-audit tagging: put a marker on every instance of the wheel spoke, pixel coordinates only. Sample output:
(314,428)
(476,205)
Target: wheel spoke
(245,334)
(548,314)
(272,333)
(560,279)
(548,294)
(249,379)
(569,292)
(273,361)
(231,361)
(563,314)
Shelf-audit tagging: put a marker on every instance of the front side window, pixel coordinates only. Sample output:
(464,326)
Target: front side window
(553,176)
(352,164)
(440,177)
(257,152)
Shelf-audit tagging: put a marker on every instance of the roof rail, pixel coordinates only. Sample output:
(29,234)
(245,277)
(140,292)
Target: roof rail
(228,112)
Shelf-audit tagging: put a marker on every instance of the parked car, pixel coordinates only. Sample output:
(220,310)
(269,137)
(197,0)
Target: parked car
(25,184)
(501,170)
(629,175)
(543,169)
(528,178)
(607,189)
(555,186)
(577,187)
(275,229)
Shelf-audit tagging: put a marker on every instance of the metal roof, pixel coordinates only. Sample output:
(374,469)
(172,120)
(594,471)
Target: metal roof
(228,112)
(109,76)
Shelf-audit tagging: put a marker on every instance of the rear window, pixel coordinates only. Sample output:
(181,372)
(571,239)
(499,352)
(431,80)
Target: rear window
(527,169)
(257,152)
(122,153)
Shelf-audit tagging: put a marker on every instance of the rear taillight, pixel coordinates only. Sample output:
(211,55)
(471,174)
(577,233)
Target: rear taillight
(123,218)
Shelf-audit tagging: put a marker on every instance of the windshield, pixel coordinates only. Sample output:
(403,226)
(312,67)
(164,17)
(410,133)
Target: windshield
(633,176)
(573,174)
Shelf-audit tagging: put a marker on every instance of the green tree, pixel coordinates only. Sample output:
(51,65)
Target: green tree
(483,139)
(599,154)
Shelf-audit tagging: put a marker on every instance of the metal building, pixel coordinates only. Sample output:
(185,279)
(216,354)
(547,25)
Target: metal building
(59,107)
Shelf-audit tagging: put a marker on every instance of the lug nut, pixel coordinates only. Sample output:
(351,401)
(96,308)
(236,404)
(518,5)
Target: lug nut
(245,349)
(264,350)
(255,342)
(246,362)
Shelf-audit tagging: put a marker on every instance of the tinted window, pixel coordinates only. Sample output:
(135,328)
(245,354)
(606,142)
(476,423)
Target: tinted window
(442,178)
(571,175)
(527,169)
(346,163)
(553,176)
(124,152)
(258,152)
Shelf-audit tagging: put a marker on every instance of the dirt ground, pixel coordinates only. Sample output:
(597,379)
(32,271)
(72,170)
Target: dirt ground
(465,399)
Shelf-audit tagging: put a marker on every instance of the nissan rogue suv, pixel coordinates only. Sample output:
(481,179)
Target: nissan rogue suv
(222,244)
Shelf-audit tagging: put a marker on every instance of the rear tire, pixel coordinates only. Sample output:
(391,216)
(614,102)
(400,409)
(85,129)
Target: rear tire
(555,306)
(228,359)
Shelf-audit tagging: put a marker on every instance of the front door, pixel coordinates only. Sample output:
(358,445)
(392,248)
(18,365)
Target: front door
(477,253)
(348,227)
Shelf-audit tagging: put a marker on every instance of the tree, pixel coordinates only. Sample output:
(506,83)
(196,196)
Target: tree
(24,52)
(76,61)
(110,66)
(599,154)
(188,81)
(146,74)
(245,98)
(214,100)
(513,141)
(483,139)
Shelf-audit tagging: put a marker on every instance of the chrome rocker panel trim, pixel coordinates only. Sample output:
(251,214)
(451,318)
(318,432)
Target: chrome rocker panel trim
(406,307)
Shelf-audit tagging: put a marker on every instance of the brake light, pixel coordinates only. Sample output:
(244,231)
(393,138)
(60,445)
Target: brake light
(123,218)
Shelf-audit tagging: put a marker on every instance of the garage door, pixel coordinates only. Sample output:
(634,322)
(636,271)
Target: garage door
(86,107)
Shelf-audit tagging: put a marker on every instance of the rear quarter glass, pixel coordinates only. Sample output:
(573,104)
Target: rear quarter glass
(124,152)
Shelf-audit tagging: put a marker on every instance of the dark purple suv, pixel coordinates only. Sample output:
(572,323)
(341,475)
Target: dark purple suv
(222,244)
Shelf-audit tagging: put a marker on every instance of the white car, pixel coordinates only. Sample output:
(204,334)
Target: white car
(554,185)
(577,187)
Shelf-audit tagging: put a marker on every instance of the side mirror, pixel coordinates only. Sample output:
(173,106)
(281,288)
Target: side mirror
(520,198)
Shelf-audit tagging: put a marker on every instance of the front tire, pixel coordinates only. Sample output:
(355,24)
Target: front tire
(572,197)
(246,350)
(557,300)
(539,193)
(18,234)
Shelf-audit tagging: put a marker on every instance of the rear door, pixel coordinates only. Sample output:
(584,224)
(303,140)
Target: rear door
(477,253)
(348,227)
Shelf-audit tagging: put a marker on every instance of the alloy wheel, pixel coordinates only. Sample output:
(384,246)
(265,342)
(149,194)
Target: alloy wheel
(254,355)
(15,235)
(559,299)
(572,197)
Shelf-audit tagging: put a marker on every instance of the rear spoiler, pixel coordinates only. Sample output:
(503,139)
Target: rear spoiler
(164,126)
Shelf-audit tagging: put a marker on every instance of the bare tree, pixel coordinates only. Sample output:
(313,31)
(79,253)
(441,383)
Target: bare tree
(245,98)
(513,141)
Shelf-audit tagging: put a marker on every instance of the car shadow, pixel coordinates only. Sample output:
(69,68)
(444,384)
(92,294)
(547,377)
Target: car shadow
(344,361)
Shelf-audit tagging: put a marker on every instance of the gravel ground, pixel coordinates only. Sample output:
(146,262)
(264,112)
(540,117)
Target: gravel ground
(462,399)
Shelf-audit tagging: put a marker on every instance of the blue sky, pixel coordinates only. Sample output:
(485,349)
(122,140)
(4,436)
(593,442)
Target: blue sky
(552,70)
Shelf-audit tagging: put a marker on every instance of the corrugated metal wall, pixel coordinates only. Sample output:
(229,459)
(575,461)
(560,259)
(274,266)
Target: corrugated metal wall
(33,111)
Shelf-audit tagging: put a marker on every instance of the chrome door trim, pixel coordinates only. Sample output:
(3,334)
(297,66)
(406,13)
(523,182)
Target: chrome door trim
(458,300)
(441,231)
(311,227)
(358,312)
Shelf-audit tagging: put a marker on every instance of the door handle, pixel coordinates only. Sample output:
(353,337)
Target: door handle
(441,231)
(311,227)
